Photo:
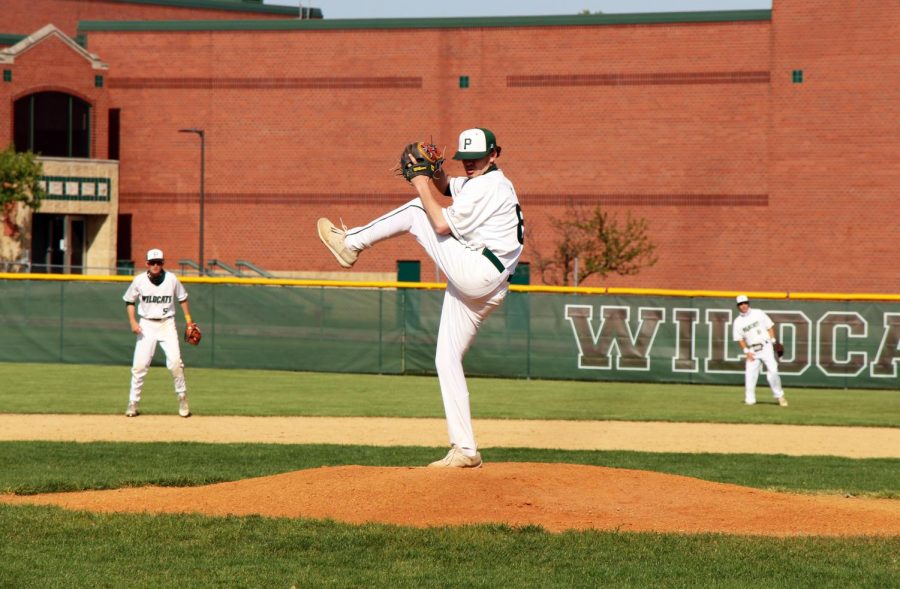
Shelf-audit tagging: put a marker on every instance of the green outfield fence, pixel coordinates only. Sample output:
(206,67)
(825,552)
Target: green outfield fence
(832,340)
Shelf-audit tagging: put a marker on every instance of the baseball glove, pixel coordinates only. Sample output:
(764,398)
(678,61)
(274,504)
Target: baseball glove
(420,159)
(779,349)
(192,334)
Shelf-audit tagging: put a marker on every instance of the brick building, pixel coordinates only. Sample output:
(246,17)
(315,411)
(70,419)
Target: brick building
(760,146)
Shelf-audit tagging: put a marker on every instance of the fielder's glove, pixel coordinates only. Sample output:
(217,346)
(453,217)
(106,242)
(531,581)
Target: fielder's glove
(192,334)
(779,349)
(420,159)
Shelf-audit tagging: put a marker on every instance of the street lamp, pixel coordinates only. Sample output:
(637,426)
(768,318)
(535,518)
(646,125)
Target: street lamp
(202,174)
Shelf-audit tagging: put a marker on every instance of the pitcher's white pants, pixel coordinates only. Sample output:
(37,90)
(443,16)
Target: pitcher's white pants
(751,375)
(165,334)
(475,289)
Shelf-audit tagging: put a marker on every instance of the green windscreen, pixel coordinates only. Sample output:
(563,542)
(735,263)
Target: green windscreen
(394,331)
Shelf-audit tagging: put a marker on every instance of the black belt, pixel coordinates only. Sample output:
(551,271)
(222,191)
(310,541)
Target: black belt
(152,319)
(494,260)
(757,347)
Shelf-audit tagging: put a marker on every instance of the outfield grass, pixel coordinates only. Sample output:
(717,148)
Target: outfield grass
(43,467)
(50,547)
(66,388)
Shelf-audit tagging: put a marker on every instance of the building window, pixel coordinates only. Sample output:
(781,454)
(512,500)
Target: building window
(7,75)
(98,81)
(113,133)
(123,240)
(464,81)
(797,76)
(53,124)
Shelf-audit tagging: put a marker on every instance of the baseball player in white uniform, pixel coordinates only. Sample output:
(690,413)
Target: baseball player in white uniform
(476,241)
(754,332)
(155,293)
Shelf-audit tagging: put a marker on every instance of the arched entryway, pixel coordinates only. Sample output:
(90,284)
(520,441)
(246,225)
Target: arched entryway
(53,124)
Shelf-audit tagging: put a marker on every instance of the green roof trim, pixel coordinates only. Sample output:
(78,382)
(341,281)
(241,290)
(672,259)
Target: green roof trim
(430,23)
(233,5)
(11,39)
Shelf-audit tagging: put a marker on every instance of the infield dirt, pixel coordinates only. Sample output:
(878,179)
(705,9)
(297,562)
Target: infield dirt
(556,496)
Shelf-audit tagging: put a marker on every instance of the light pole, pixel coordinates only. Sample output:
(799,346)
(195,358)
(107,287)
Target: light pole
(202,175)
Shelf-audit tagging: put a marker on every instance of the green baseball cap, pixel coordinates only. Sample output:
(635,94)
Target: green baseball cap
(475,144)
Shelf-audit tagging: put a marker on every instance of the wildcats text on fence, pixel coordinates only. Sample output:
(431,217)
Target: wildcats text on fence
(823,341)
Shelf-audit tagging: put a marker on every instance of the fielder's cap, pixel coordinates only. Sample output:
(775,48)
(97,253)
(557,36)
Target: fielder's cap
(742,299)
(475,144)
(155,254)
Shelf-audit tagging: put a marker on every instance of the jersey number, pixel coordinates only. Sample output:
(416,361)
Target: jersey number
(520,230)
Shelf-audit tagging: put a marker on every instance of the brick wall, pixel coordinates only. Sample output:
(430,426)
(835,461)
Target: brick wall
(748,181)
(52,66)
(643,119)
(23,17)
(834,146)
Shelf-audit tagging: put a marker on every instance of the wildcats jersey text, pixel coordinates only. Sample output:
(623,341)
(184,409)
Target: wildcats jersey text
(155,301)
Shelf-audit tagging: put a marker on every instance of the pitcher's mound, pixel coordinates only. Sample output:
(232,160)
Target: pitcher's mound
(555,496)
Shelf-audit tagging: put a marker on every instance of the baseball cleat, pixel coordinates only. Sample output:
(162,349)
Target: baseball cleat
(456,459)
(782,402)
(333,238)
(132,410)
(184,409)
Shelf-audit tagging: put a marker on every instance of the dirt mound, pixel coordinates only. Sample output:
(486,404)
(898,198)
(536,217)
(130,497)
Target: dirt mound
(556,496)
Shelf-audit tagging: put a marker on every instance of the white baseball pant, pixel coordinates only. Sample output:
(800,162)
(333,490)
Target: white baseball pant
(751,374)
(164,333)
(475,289)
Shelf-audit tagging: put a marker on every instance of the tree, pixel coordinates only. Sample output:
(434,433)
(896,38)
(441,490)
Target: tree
(20,182)
(598,243)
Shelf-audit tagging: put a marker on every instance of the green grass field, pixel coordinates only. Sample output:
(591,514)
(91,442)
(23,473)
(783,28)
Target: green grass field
(61,388)
(50,547)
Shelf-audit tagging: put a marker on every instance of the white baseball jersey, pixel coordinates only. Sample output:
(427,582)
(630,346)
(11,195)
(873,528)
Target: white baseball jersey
(486,213)
(155,301)
(752,327)
(485,217)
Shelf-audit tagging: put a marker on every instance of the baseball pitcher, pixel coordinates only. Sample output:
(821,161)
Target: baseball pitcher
(475,240)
